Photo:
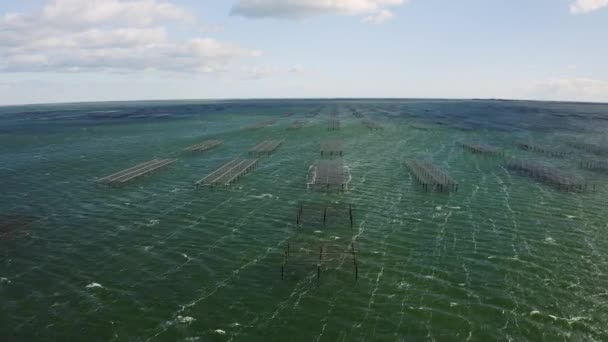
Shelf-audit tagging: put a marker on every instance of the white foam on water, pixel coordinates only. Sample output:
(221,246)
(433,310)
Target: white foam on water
(185,255)
(93,286)
(455,208)
(570,216)
(4,280)
(318,231)
(350,178)
(576,319)
(152,222)
(534,312)
(549,240)
(235,324)
(439,207)
(185,319)
(219,332)
(147,248)
(262,196)
(452,304)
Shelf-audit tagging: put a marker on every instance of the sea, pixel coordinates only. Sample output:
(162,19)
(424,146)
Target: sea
(507,257)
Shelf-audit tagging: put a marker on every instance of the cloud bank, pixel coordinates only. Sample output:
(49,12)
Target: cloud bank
(373,11)
(586,6)
(579,89)
(109,35)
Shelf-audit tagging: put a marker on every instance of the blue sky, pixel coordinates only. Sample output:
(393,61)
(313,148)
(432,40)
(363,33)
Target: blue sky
(101,50)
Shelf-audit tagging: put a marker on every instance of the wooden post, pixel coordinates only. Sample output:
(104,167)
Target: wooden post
(352,246)
(319,263)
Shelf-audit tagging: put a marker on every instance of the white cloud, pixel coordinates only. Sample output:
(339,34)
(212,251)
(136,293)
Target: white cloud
(297,69)
(375,11)
(586,6)
(115,35)
(579,89)
(378,18)
(257,72)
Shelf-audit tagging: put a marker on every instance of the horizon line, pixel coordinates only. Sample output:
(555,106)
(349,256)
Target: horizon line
(302,99)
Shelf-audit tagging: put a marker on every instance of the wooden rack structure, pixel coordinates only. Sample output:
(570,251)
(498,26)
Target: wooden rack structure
(332,147)
(204,146)
(372,125)
(549,175)
(430,176)
(228,173)
(266,147)
(479,148)
(596,149)
(548,150)
(594,165)
(262,124)
(357,114)
(333,124)
(135,172)
(296,124)
(421,127)
(328,176)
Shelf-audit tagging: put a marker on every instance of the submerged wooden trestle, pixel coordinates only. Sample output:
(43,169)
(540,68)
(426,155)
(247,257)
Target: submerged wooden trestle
(322,256)
(324,215)
(305,249)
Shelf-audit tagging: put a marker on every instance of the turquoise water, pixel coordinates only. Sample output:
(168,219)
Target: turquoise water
(504,258)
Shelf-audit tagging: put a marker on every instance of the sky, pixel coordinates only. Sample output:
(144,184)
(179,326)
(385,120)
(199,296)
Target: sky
(114,50)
